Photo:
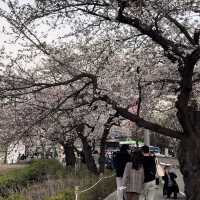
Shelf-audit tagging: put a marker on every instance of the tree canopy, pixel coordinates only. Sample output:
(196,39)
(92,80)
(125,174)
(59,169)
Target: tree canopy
(77,55)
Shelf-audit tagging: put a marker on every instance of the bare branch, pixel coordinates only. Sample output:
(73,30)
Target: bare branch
(182,29)
(31,87)
(140,121)
(196,36)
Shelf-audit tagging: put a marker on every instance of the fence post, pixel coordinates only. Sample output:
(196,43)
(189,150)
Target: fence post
(101,175)
(76,192)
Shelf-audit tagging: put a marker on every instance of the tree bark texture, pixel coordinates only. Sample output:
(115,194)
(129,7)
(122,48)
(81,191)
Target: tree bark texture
(70,158)
(189,159)
(189,118)
(102,158)
(90,162)
(87,150)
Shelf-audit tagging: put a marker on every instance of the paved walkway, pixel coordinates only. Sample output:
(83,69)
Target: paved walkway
(158,191)
(158,195)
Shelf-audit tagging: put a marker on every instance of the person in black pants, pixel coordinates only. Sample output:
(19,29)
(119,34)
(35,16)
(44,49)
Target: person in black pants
(119,161)
(149,166)
(170,184)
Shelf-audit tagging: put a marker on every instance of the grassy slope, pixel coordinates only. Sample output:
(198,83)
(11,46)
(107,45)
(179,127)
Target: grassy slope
(59,186)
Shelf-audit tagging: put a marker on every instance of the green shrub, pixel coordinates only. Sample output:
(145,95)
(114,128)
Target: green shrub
(13,197)
(38,170)
(82,177)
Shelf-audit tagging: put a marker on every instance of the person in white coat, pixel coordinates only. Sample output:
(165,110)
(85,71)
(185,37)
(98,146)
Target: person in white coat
(133,178)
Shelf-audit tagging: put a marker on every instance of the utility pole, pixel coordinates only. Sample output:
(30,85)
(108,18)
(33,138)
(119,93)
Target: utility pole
(147,137)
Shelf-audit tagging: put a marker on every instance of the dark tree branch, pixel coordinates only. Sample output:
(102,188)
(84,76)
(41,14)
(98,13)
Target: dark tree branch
(166,80)
(196,36)
(37,87)
(149,125)
(181,28)
(145,29)
(140,121)
(107,126)
(140,94)
(186,72)
(134,22)
(42,86)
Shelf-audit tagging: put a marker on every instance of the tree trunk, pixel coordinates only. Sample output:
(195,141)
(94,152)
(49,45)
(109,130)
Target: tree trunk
(189,118)
(5,155)
(102,157)
(189,159)
(70,158)
(107,126)
(88,156)
(43,153)
(87,150)
(189,155)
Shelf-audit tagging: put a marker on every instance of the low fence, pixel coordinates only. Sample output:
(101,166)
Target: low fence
(78,192)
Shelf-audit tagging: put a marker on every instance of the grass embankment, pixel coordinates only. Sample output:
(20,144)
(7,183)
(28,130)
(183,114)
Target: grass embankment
(38,171)
(48,180)
(5,168)
(84,179)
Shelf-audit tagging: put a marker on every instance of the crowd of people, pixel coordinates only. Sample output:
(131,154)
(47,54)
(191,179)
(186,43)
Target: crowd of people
(136,175)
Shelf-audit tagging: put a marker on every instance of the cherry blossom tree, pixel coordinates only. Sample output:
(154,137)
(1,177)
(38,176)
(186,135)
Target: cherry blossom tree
(159,37)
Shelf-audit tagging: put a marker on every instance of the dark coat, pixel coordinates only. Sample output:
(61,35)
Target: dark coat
(149,166)
(119,162)
(175,187)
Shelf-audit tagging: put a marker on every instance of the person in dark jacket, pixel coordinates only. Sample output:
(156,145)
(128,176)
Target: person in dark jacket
(149,166)
(170,184)
(119,162)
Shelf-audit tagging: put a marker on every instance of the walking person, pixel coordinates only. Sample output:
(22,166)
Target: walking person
(149,166)
(133,178)
(170,184)
(119,162)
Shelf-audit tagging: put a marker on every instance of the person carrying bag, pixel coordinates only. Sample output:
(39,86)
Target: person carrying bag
(159,171)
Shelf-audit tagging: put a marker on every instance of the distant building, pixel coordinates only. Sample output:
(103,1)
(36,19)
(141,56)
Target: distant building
(21,152)
(14,151)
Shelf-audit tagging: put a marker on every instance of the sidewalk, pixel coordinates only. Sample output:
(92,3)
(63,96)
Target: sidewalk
(158,191)
(158,195)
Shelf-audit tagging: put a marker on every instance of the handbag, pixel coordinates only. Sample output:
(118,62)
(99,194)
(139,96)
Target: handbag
(160,171)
